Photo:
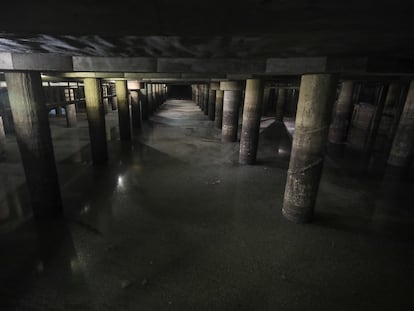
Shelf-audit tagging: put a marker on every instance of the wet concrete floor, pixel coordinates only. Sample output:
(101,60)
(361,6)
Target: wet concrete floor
(174,223)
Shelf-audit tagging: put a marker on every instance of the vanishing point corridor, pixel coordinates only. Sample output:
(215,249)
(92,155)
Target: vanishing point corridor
(175,223)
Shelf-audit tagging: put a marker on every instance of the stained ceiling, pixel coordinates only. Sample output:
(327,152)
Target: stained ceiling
(209,29)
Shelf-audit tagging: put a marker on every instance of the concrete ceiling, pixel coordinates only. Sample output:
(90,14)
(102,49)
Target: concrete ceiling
(209,29)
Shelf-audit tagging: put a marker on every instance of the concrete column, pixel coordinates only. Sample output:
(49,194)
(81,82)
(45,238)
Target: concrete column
(113,101)
(193,93)
(231,105)
(265,99)
(280,104)
(105,93)
(154,97)
(205,98)
(252,112)
(201,101)
(218,120)
(71,115)
(402,148)
(343,109)
(149,98)
(391,116)
(135,109)
(391,110)
(196,94)
(200,97)
(144,102)
(214,86)
(393,95)
(123,110)
(96,120)
(2,139)
(160,91)
(134,88)
(316,98)
(34,139)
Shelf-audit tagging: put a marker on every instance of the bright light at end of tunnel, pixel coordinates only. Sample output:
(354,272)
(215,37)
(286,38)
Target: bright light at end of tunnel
(282,151)
(120,182)
(85,209)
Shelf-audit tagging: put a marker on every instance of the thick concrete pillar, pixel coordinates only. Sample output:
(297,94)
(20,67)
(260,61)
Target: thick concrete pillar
(96,120)
(218,120)
(316,98)
(201,96)
(392,110)
(214,86)
(112,99)
(390,118)
(34,139)
(114,103)
(403,145)
(393,95)
(136,109)
(123,110)
(71,115)
(343,109)
(196,95)
(205,98)
(231,105)
(160,91)
(149,99)
(164,92)
(105,92)
(155,96)
(144,102)
(265,99)
(280,104)
(2,139)
(134,89)
(252,112)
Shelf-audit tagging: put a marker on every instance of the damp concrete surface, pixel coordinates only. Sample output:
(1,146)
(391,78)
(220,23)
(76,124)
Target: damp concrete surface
(175,223)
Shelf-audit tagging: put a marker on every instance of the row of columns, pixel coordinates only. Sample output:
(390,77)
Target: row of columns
(32,128)
(33,137)
(400,132)
(312,128)
(276,97)
(312,125)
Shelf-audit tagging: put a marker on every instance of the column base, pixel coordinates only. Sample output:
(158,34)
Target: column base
(298,216)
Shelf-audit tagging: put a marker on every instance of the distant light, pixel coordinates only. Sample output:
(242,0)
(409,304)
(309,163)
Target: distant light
(85,209)
(282,151)
(120,184)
